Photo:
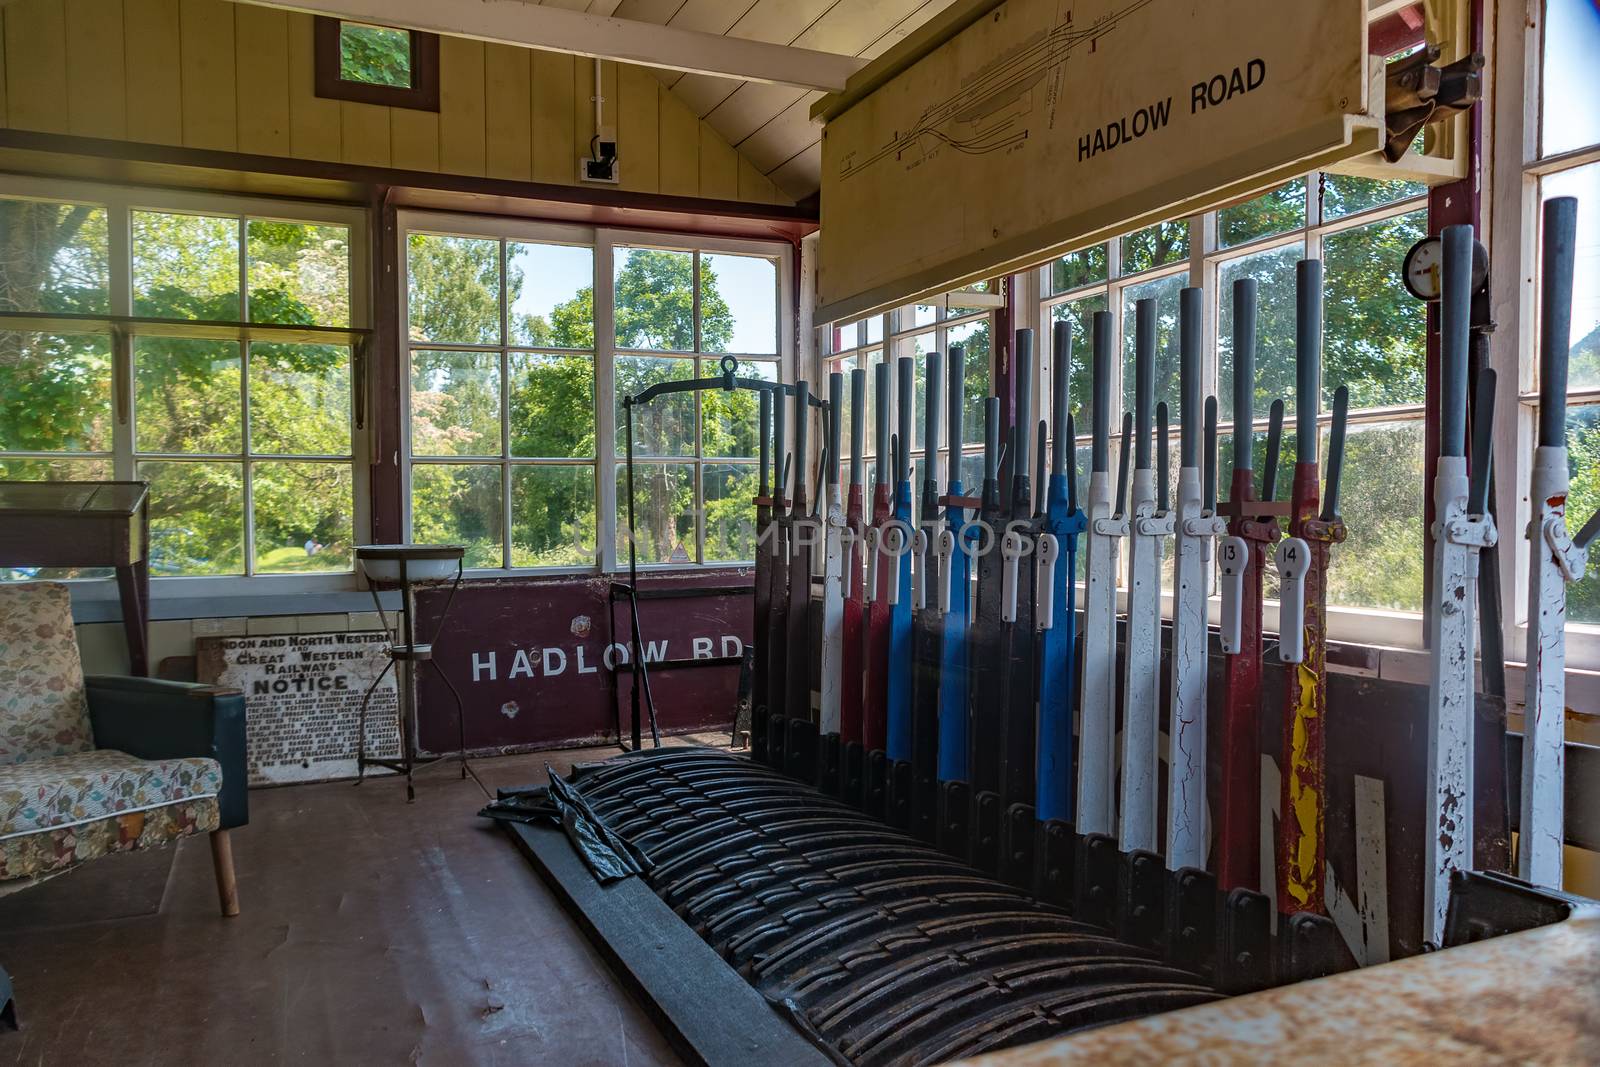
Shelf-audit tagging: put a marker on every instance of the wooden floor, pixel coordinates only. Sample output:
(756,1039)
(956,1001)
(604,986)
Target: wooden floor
(372,931)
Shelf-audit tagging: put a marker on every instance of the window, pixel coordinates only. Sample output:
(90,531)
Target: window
(1374,343)
(516,371)
(205,345)
(376,64)
(1567,163)
(961,317)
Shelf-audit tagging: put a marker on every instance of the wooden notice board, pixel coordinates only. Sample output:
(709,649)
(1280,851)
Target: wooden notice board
(1047,125)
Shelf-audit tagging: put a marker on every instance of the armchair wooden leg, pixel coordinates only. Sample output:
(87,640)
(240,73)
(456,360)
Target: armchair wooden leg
(222,863)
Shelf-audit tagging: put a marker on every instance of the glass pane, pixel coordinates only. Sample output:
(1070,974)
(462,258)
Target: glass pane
(728,421)
(974,339)
(1080,389)
(1275,322)
(553,517)
(1344,194)
(1164,291)
(1570,97)
(455,404)
(55,392)
(299,273)
(846,336)
(304,518)
(730,515)
(1374,337)
(187,396)
(663,512)
(1583,370)
(552,405)
(53,470)
(874,329)
(663,426)
(1382,563)
(918,315)
(1084,267)
(185,266)
(738,304)
(655,301)
(374,55)
(458,504)
(1583,464)
(550,294)
(196,517)
(300,399)
(1284,208)
(1165,242)
(453,289)
(53,257)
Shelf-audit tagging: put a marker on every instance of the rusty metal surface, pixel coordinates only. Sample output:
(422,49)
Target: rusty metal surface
(1531,997)
(882,948)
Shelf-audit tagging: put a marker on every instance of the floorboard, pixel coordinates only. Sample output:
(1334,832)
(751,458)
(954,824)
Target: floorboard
(371,932)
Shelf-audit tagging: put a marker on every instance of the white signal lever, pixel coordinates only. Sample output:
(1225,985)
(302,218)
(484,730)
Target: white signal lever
(1044,577)
(893,545)
(1293,558)
(1011,548)
(947,551)
(873,536)
(919,570)
(1232,557)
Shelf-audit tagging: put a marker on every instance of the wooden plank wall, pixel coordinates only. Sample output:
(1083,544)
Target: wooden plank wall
(218,75)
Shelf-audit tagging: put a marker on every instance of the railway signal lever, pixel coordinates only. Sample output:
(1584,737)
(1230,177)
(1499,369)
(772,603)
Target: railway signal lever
(1556,560)
(1461,530)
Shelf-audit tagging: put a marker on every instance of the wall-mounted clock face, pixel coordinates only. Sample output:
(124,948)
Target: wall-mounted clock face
(1423,271)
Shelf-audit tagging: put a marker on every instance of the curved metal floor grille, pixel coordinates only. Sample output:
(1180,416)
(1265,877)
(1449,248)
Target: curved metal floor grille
(885,949)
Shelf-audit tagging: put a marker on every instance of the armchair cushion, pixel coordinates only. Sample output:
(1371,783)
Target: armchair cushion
(43,711)
(64,791)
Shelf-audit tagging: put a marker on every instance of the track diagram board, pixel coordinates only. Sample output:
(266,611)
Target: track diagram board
(1047,124)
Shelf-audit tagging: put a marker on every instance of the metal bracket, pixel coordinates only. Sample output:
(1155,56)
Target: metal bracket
(828,764)
(897,798)
(1572,560)
(1417,93)
(1096,891)
(1473,531)
(1141,887)
(1020,836)
(1244,962)
(1056,850)
(985,830)
(955,819)
(852,773)
(1192,920)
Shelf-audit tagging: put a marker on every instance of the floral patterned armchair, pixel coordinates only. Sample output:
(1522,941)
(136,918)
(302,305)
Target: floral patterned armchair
(90,766)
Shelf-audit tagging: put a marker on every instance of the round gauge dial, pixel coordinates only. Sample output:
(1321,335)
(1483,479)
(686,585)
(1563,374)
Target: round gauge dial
(1423,271)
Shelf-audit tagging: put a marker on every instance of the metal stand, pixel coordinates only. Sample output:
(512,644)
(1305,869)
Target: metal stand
(407,653)
(728,381)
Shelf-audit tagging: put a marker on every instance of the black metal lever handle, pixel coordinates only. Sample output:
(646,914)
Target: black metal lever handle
(1269,476)
(1482,445)
(1122,467)
(1341,416)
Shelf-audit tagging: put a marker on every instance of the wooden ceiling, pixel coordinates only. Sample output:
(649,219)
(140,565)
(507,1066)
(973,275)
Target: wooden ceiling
(768,124)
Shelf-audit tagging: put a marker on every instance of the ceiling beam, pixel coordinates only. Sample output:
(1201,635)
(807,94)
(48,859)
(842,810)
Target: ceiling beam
(555,29)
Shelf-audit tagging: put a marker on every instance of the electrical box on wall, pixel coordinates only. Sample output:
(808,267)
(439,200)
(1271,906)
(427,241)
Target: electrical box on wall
(600,165)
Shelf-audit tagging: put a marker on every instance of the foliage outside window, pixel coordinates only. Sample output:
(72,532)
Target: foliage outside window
(244,431)
(1373,343)
(505,397)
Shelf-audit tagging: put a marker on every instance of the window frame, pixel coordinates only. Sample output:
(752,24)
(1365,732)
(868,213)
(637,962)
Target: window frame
(1513,216)
(606,463)
(329,84)
(1402,629)
(124,327)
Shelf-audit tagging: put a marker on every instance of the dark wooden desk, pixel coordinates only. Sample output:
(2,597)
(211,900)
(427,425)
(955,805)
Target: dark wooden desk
(86,524)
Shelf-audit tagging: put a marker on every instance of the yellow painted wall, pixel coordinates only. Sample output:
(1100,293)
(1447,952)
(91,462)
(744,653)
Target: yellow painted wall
(218,75)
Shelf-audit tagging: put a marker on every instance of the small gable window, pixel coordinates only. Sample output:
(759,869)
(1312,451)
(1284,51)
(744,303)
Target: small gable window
(373,64)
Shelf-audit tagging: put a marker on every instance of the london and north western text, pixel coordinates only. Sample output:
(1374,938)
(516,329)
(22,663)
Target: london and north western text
(1212,92)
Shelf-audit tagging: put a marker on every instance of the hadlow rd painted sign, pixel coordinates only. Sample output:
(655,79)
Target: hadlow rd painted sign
(545,662)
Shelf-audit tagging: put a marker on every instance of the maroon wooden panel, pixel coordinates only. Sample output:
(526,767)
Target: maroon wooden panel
(542,662)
